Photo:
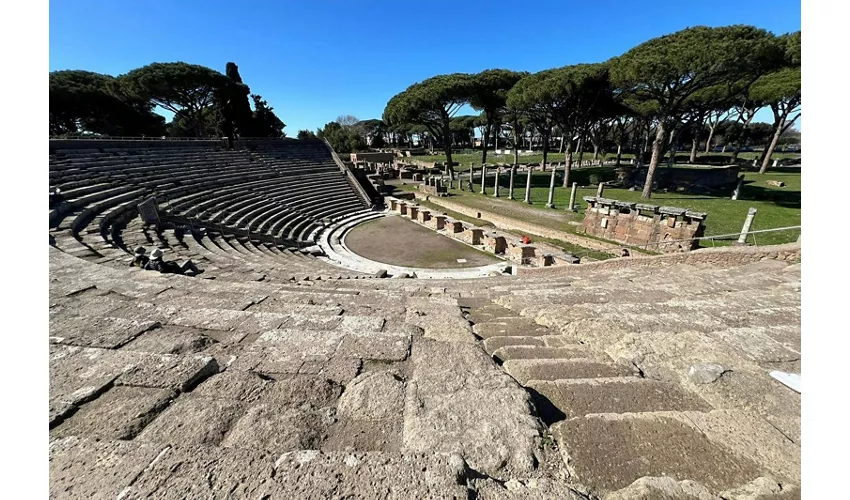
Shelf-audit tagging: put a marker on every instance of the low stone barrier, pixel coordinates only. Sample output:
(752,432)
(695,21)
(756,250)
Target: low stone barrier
(643,224)
(720,257)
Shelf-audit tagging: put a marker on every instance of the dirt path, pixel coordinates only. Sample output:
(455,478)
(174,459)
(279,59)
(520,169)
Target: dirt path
(397,241)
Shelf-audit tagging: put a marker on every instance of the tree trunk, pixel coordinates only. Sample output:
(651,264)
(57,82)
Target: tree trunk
(643,146)
(484,136)
(568,162)
(595,151)
(447,141)
(619,154)
(743,138)
(561,147)
(695,143)
(769,152)
(657,146)
(673,146)
(580,150)
(710,137)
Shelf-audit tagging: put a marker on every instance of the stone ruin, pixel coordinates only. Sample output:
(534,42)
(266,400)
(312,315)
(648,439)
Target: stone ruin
(663,229)
(288,377)
(509,247)
(434,186)
(689,180)
(373,157)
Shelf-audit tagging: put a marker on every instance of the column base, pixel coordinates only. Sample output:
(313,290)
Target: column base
(550,205)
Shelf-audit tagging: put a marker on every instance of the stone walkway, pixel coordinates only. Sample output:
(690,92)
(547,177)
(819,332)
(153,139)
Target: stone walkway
(596,385)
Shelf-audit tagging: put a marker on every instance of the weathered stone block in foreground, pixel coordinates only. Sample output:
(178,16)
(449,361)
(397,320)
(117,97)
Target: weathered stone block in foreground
(121,413)
(131,470)
(459,401)
(607,452)
(193,420)
(579,397)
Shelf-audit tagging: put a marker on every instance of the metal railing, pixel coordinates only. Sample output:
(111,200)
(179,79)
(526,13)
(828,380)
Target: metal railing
(713,238)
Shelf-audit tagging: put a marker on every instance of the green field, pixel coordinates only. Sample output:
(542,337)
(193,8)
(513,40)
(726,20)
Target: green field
(777,207)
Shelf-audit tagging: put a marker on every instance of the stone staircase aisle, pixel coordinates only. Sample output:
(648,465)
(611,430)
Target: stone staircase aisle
(618,431)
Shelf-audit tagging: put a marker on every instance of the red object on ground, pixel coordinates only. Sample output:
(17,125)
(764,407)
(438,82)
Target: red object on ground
(526,240)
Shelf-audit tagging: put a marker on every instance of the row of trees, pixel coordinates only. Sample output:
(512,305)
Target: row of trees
(674,87)
(204,103)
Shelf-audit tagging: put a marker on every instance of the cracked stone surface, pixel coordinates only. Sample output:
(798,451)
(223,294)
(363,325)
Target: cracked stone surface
(631,378)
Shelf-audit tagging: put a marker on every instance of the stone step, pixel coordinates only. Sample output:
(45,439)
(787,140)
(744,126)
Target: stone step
(525,370)
(531,352)
(493,343)
(521,327)
(607,452)
(579,397)
(473,302)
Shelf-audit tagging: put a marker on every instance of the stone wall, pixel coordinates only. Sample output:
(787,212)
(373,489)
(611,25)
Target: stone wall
(641,224)
(510,247)
(720,257)
(373,157)
(509,223)
(682,179)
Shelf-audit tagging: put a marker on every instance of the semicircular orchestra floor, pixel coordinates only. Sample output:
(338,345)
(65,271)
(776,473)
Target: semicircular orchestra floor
(400,242)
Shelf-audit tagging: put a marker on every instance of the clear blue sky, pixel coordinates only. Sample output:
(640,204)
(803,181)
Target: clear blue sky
(316,60)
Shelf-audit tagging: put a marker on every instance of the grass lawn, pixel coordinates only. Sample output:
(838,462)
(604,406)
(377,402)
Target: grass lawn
(777,207)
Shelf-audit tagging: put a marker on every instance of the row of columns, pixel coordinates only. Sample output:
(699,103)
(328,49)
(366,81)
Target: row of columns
(549,203)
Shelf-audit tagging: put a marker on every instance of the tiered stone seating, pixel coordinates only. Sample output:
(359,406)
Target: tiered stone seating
(271,376)
(170,386)
(283,193)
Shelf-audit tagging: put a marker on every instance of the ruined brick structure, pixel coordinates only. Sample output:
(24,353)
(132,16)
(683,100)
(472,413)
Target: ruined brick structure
(641,224)
(691,180)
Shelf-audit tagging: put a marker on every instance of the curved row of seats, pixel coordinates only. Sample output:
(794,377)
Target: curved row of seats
(280,192)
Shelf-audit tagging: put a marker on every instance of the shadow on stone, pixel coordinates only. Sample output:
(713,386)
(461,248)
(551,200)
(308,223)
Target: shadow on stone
(548,412)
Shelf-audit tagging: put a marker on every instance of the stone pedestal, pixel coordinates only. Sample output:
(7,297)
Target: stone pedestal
(453,226)
(472,235)
(437,222)
(412,211)
(402,208)
(520,253)
(495,243)
(424,216)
